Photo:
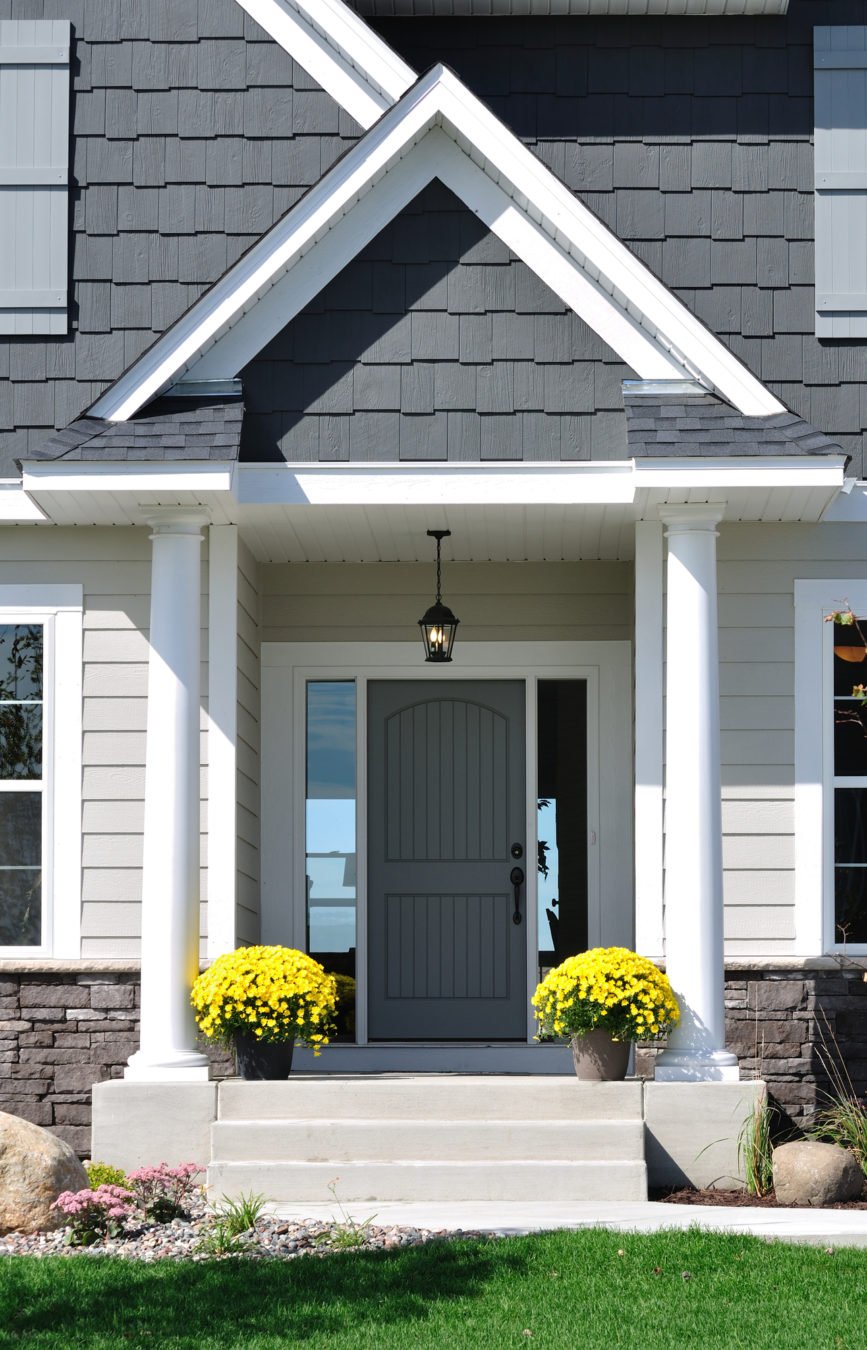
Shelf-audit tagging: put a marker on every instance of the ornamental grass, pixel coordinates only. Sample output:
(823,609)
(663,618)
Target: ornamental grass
(609,988)
(275,994)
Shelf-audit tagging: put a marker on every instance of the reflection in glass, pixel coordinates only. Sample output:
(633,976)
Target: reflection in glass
(20,829)
(850,904)
(562,820)
(20,907)
(20,662)
(330,831)
(20,740)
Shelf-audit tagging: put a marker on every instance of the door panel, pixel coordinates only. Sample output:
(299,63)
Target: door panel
(446,779)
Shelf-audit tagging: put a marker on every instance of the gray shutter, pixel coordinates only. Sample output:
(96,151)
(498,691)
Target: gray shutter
(34,175)
(840,80)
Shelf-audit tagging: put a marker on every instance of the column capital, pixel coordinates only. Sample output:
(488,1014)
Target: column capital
(691,517)
(176,519)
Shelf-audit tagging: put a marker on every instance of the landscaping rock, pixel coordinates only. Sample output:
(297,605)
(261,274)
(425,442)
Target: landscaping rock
(35,1167)
(809,1173)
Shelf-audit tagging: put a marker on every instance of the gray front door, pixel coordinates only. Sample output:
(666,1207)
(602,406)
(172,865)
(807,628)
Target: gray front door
(446,805)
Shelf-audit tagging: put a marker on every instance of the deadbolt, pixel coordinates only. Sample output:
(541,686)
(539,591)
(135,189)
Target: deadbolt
(517,851)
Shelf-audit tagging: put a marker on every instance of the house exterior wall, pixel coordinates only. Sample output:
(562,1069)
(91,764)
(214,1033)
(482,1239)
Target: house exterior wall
(113,565)
(192,132)
(495,602)
(691,139)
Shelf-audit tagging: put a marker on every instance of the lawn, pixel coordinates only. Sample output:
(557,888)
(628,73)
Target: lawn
(592,1290)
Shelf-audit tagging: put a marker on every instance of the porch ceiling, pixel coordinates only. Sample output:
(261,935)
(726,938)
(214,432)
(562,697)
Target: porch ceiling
(380,513)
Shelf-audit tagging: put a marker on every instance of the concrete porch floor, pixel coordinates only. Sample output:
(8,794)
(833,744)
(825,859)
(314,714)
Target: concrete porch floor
(819,1227)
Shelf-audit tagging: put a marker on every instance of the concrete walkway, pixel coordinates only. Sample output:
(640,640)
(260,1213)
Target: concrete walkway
(824,1227)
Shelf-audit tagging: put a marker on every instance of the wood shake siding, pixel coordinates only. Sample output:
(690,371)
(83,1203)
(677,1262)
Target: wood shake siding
(247,774)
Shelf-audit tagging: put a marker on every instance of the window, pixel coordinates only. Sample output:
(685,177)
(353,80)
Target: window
(40,770)
(21,795)
(830,767)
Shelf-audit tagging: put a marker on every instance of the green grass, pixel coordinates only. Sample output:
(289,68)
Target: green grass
(573,1291)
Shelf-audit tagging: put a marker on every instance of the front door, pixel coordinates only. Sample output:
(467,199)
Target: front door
(446,822)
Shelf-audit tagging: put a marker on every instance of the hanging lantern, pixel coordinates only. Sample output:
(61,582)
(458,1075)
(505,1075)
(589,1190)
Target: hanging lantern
(438,625)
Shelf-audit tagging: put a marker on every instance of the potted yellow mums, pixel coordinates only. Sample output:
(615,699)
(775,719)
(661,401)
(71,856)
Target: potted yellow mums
(260,1000)
(602,1000)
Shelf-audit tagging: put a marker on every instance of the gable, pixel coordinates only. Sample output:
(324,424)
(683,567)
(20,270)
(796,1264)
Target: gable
(435,343)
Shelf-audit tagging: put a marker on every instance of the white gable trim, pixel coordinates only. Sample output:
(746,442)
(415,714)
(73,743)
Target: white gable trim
(338,50)
(439,128)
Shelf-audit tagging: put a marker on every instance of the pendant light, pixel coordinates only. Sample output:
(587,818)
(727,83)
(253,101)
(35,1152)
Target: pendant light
(438,626)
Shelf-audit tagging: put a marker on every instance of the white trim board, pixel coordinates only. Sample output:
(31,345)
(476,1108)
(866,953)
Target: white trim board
(814,761)
(222,736)
(606,666)
(59,609)
(339,50)
(439,129)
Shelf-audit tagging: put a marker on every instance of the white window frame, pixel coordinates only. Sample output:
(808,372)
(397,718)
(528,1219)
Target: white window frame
(58,609)
(286,670)
(814,761)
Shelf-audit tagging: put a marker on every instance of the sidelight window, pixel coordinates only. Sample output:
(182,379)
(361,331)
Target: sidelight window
(850,782)
(21,784)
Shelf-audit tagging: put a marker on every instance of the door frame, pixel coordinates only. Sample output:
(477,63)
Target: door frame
(286,669)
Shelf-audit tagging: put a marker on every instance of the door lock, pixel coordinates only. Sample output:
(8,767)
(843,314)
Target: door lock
(516,876)
(517,851)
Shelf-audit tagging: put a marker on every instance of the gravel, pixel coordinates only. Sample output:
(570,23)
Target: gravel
(191,1239)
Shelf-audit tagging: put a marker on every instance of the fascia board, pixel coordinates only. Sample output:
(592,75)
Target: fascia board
(773,471)
(338,50)
(51,476)
(439,485)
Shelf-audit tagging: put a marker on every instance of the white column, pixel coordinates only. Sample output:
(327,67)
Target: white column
(649,666)
(693,824)
(170,879)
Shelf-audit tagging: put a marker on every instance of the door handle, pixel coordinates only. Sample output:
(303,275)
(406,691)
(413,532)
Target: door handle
(516,876)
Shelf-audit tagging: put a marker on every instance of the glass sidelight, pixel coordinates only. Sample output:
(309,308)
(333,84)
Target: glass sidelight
(331,789)
(562,820)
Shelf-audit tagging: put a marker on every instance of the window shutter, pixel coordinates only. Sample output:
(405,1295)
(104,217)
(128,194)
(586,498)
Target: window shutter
(34,175)
(840,81)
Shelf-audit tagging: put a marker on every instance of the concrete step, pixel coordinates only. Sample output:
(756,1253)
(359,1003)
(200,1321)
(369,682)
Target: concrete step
(339,1141)
(371,1183)
(426,1097)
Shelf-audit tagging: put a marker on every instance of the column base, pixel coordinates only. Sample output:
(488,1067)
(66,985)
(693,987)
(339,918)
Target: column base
(716,1066)
(184,1067)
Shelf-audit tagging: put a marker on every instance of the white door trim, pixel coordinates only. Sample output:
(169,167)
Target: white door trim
(286,667)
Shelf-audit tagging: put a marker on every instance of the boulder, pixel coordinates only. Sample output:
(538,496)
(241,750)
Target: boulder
(35,1167)
(809,1173)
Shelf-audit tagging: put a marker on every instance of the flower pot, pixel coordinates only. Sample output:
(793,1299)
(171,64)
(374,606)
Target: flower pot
(261,1060)
(598,1058)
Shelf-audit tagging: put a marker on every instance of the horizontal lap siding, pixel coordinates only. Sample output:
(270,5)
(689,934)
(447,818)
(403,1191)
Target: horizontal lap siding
(495,602)
(114,568)
(248,743)
(758,567)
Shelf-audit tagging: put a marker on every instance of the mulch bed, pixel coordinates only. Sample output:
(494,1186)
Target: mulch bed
(688,1195)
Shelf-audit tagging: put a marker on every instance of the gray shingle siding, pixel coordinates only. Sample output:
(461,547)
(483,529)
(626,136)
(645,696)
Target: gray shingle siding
(693,139)
(193,132)
(184,149)
(456,369)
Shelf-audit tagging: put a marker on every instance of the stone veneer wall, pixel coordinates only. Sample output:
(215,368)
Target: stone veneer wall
(62,1032)
(782,1024)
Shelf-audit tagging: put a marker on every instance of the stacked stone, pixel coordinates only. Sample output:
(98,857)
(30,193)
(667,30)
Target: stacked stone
(60,1034)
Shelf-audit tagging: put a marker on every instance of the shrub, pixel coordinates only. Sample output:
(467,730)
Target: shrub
(103,1174)
(274,993)
(163,1192)
(610,988)
(94,1214)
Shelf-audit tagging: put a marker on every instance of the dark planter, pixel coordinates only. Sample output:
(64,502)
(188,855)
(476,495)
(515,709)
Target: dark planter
(258,1060)
(599,1059)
